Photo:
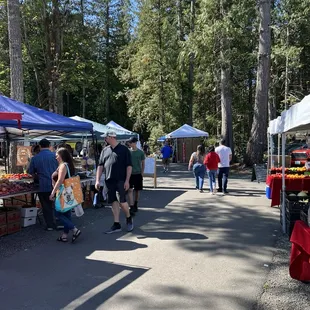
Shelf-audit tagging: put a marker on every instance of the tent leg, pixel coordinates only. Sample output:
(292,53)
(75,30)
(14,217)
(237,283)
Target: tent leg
(271,152)
(279,143)
(268,154)
(95,141)
(283,184)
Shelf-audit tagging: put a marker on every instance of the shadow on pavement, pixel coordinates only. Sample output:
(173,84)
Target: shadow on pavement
(50,275)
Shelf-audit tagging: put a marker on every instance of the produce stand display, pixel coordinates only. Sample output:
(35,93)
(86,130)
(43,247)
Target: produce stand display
(296,208)
(296,179)
(295,119)
(18,203)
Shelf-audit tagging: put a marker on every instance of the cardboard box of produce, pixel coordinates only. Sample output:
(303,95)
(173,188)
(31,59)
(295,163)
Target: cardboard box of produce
(18,201)
(12,215)
(13,228)
(2,218)
(3,230)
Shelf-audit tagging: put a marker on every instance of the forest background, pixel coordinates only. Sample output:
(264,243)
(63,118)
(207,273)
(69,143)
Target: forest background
(224,66)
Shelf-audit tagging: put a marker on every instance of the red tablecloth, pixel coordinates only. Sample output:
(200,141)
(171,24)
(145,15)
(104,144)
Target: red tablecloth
(275,185)
(300,252)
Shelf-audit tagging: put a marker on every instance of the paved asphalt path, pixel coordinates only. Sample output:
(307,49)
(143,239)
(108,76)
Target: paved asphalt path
(189,250)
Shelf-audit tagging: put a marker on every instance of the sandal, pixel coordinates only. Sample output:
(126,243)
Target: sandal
(62,239)
(76,235)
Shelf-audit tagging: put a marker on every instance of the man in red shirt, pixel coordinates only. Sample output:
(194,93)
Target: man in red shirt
(211,161)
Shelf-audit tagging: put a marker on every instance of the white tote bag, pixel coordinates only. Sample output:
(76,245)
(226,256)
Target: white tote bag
(79,211)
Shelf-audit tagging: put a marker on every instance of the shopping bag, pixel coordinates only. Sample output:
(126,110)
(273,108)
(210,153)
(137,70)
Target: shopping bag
(79,211)
(69,194)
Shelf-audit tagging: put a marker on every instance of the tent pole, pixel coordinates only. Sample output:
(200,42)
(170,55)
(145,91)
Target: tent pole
(271,152)
(268,153)
(279,143)
(283,184)
(95,148)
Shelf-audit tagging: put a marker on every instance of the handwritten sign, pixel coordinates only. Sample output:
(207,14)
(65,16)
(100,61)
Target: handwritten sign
(259,173)
(150,169)
(149,165)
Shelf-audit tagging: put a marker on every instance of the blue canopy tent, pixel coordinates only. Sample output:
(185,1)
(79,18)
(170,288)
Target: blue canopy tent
(36,122)
(161,139)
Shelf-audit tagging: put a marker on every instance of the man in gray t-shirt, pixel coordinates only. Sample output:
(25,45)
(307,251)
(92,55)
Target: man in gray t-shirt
(115,161)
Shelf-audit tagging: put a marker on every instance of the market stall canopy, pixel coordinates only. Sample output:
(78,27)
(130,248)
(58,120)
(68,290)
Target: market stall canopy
(187,131)
(12,116)
(117,126)
(37,122)
(102,129)
(297,118)
(161,139)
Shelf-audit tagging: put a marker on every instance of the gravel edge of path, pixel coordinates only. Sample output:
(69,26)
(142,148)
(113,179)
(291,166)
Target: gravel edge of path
(280,291)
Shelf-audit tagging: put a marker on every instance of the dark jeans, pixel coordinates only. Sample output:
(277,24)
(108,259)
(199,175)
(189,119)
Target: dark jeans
(47,208)
(65,219)
(223,176)
(199,173)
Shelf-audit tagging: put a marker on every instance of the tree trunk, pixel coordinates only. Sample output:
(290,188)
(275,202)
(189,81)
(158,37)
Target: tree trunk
(16,66)
(226,99)
(225,85)
(15,48)
(53,53)
(258,141)
(161,77)
(180,20)
(35,69)
(286,71)
(191,69)
(183,84)
(107,63)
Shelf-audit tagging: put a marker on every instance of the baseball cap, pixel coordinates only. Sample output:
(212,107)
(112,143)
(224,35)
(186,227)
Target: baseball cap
(109,134)
(132,140)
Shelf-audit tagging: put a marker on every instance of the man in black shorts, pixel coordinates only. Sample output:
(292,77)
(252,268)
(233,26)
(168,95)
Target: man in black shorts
(136,179)
(115,160)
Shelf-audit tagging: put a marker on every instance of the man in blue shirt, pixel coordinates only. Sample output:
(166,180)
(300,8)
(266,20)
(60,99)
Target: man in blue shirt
(42,166)
(166,153)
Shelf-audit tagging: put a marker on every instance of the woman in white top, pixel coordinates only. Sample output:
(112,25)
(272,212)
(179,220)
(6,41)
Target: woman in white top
(199,169)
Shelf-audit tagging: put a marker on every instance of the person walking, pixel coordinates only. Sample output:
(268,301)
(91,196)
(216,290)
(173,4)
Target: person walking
(42,167)
(225,154)
(166,152)
(136,179)
(66,165)
(115,160)
(211,162)
(199,169)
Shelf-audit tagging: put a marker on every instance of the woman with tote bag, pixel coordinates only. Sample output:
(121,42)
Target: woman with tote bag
(65,194)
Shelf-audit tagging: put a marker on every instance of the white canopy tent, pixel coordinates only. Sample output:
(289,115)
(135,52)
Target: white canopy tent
(296,118)
(102,129)
(119,127)
(187,131)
